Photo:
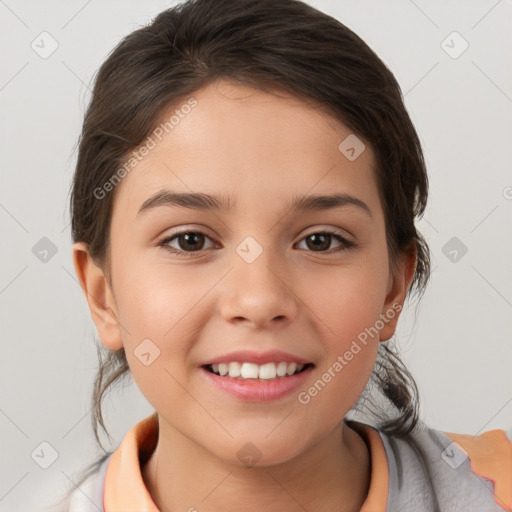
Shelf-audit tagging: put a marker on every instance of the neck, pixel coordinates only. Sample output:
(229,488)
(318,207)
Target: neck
(334,474)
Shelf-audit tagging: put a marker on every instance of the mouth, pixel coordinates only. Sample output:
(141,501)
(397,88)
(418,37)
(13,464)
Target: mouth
(255,376)
(251,371)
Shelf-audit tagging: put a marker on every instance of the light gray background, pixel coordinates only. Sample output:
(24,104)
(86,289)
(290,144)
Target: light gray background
(459,349)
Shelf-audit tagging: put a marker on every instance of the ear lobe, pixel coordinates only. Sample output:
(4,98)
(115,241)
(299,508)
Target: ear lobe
(397,291)
(99,297)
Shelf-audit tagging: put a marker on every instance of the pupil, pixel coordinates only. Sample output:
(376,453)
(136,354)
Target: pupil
(190,236)
(323,239)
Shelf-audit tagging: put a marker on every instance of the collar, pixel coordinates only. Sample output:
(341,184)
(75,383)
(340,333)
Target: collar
(125,489)
(124,486)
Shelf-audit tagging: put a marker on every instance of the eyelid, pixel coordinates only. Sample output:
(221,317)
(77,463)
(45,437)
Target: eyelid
(166,239)
(331,231)
(189,229)
(346,243)
(313,230)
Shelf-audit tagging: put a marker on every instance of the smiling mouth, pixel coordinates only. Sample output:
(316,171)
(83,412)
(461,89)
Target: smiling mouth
(251,371)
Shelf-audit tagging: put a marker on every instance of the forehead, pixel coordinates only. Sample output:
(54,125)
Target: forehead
(255,147)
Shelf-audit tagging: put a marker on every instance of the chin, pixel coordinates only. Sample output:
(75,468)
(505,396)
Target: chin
(258,451)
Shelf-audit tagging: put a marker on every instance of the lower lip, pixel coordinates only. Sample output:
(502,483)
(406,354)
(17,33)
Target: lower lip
(258,390)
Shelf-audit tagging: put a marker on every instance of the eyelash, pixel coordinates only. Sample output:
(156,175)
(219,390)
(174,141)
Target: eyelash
(347,245)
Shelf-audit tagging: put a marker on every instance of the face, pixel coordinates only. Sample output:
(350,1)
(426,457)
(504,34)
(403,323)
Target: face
(257,276)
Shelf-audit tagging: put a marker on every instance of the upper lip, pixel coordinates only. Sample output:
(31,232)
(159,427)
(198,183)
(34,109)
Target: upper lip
(259,358)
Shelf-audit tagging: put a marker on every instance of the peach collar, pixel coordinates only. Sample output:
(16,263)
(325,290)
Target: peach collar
(125,490)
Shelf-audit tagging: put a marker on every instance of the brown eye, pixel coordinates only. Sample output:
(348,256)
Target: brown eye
(186,241)
(191,241)
(320,242)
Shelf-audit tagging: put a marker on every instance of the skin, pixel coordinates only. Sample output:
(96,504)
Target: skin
(235,142)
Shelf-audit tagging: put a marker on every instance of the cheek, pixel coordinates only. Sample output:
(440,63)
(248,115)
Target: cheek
(154,298)
(347,302)
(347,311)
(347,299)
(155,309)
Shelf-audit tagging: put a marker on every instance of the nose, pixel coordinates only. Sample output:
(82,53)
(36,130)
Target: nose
(259,293)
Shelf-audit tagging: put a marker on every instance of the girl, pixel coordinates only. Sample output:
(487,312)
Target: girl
(243,212)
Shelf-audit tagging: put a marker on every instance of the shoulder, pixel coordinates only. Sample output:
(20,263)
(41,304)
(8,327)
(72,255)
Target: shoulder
(449,471)
(87,494)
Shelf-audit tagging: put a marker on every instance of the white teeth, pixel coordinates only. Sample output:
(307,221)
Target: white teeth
(249,370)
(234,369)
(253,371)
(281,369)
(267,371)
(291,368)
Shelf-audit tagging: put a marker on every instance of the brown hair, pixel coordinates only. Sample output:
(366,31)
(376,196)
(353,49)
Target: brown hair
(267,44)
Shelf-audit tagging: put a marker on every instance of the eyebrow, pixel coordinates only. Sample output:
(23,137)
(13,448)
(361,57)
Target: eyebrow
(201,201)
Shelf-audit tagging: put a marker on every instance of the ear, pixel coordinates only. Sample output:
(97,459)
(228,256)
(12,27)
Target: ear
(99,297)
(397,290)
